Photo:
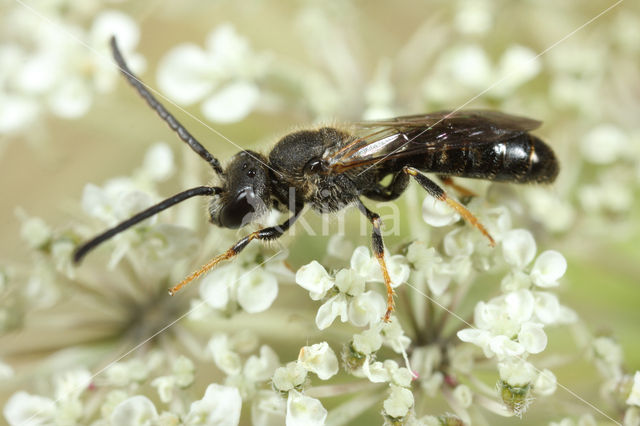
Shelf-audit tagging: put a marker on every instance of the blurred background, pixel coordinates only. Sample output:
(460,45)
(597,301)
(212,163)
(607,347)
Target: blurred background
(254,70)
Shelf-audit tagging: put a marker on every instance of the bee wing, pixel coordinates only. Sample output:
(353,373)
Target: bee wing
(381,140)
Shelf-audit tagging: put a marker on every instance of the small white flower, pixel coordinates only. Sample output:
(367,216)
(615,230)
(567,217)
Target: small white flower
(223,76)
(268,409)
(634,395)
(399,402)
(473,16)
(463,396)
(25,409)
(546,383)
(319,359)
(438,214)
(430,264)
(367,342)
(6,372)
(532,337)
(604,144)
(518,64)
(135,411)
(394,336)
(158,162)
(548,268)
(367,308)
(257,290)
(314,278)
(220,405)
(261,368)
(304,411)
(292,375)
(232,103)
(518,248)
(34,231)
(183,370)
(333,308)
(165,386)
(547,307)
(70,384)
(517,372)
(223,355)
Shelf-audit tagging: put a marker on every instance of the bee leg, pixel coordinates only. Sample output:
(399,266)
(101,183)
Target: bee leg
(447,180)
(378,250)
(390,192)
(266,234)
(434,190)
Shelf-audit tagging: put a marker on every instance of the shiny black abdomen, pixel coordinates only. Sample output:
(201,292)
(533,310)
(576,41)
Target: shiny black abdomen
(521,159)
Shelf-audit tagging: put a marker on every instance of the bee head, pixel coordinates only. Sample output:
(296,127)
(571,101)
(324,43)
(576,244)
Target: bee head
(245,194)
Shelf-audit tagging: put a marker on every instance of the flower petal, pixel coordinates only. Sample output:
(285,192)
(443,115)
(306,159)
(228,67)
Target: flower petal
(518,248)
(437,213)
(231,103)
(319,359)
(135,411)
(304,411)
(548,268)
(257,289)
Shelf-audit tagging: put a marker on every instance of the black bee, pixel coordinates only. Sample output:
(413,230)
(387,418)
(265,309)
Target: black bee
(331,168)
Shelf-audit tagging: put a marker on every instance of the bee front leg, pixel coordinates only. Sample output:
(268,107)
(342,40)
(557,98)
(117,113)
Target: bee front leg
(438,193)
(378,250)
(266,234)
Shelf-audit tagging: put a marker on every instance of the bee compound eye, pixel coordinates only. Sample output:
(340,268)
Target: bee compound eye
(238,212)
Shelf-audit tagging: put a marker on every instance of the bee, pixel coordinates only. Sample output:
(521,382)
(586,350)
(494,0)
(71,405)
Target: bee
(331,168)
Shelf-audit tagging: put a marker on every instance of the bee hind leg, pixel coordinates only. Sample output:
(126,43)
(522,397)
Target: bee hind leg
(438,193)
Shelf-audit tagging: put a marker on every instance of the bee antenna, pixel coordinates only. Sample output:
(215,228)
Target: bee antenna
(151,211)
(175,125)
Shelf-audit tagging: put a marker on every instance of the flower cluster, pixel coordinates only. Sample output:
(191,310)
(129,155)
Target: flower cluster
(475,332)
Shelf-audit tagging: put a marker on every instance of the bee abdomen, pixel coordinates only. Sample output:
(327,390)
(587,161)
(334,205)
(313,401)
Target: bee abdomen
(524,158)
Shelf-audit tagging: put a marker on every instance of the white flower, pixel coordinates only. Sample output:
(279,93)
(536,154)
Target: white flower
(463,396)
(518,248)
(314,278)
(135,411)
(634,395)
(437,213)
(292,375)
(518,64)
(261,368)
(399,402)
(517,372)
(546,383)
(304,411)
(532,337)
(268,409)
(251,285)
(223,355)
(34,231)
(319,359)
(430,264)
(394,337)
(352,302)
(501,319)
(367,342)
(158,162)
(225,76)
(548,268)
(220,406)
(257,290)
(604,144)
(25,409)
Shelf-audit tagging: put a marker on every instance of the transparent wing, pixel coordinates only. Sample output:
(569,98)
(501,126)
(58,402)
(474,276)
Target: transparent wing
(381,140)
